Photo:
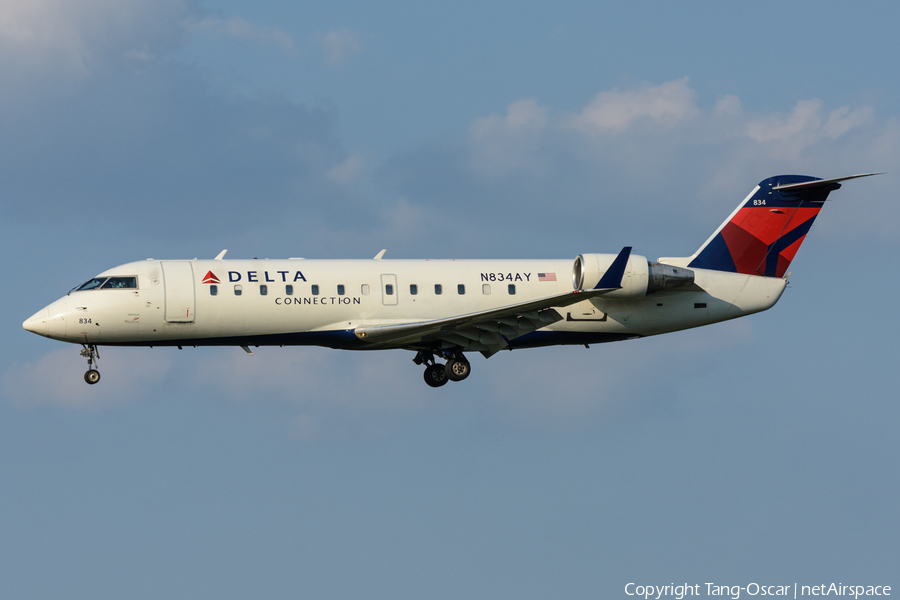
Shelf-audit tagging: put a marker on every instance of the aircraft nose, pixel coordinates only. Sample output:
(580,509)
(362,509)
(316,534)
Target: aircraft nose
(37,323)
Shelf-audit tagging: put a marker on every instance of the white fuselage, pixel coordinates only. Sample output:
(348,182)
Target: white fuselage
(299,302)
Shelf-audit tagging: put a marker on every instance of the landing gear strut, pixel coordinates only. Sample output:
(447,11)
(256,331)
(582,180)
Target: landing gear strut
(436,374)
(92,354)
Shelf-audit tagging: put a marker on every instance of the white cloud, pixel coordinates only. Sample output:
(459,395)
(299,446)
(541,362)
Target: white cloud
(347,171)
(406,221)
(529,136)
(531,139)
(341,394)
(501,143)
(370,394)
(569,388)
(729,105)
(79,35)
(306,376)
(339,44)
(841,120)
(242,29)
(336,393)
(531,157)
(615,111)
(128,374)
(788,135)
(522,117)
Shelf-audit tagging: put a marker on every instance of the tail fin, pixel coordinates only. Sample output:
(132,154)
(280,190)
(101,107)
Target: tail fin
(763,234)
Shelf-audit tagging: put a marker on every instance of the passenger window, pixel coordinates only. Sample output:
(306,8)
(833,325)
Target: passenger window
(512,289)
(486,289)
(213,290)
(438,289)
(413,289)
(364,289)
(315,290)
(237,290)
(460,289)
(340,290)
(263,290)
(289,290)
(389,289)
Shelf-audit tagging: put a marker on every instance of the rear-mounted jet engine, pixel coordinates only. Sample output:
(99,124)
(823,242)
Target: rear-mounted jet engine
(641,276)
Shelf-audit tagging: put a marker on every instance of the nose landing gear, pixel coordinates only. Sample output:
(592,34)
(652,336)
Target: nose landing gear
(436,374)
(92,354)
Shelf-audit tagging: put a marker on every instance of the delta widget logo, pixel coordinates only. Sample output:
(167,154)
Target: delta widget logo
(210,277)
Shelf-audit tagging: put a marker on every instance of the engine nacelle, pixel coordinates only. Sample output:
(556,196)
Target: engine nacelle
(589,269)
(641,277)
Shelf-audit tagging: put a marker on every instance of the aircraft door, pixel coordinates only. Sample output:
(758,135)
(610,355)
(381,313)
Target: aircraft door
(389,290)
(178,280)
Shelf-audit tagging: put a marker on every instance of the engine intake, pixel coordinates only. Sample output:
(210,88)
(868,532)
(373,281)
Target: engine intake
(589,269)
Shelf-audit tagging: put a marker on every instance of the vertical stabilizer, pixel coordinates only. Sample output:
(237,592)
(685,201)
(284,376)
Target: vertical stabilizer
(763,234)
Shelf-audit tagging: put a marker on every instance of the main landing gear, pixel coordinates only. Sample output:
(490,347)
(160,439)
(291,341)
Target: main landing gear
(92,354)
(457,367)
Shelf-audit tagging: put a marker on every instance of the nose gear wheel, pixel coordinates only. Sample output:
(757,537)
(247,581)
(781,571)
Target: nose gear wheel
(92,354)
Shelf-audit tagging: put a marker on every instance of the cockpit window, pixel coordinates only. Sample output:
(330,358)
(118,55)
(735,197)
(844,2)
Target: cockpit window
(93,284)
(108,283)
(120,282)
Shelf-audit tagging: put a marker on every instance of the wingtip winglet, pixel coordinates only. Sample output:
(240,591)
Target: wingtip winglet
(612,279)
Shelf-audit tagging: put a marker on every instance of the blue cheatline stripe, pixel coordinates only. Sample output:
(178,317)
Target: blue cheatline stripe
(343,339)
(783,242)
(537,339)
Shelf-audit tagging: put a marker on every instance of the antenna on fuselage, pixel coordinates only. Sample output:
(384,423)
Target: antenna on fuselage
(221,254)
(380,254)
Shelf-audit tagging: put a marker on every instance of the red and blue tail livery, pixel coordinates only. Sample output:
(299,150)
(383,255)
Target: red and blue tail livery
(763,234)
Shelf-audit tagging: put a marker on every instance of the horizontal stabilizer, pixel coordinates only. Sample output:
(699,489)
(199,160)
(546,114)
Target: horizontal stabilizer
(818,183)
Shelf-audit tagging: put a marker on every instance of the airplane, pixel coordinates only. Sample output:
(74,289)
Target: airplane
(443,309)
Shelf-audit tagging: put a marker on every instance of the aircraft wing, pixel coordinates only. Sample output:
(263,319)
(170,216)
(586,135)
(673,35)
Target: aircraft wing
(488,331)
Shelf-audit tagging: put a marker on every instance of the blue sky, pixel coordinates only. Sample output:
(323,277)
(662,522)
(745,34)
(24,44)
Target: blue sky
(759,450)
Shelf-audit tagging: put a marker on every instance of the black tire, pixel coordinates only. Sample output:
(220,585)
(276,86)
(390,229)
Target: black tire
(92,376)
(435,375)
(457,370)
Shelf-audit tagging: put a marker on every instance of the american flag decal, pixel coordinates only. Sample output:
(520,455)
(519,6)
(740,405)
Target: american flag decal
(546,276)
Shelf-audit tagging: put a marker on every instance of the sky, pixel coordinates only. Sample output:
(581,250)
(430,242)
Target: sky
(761,450)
